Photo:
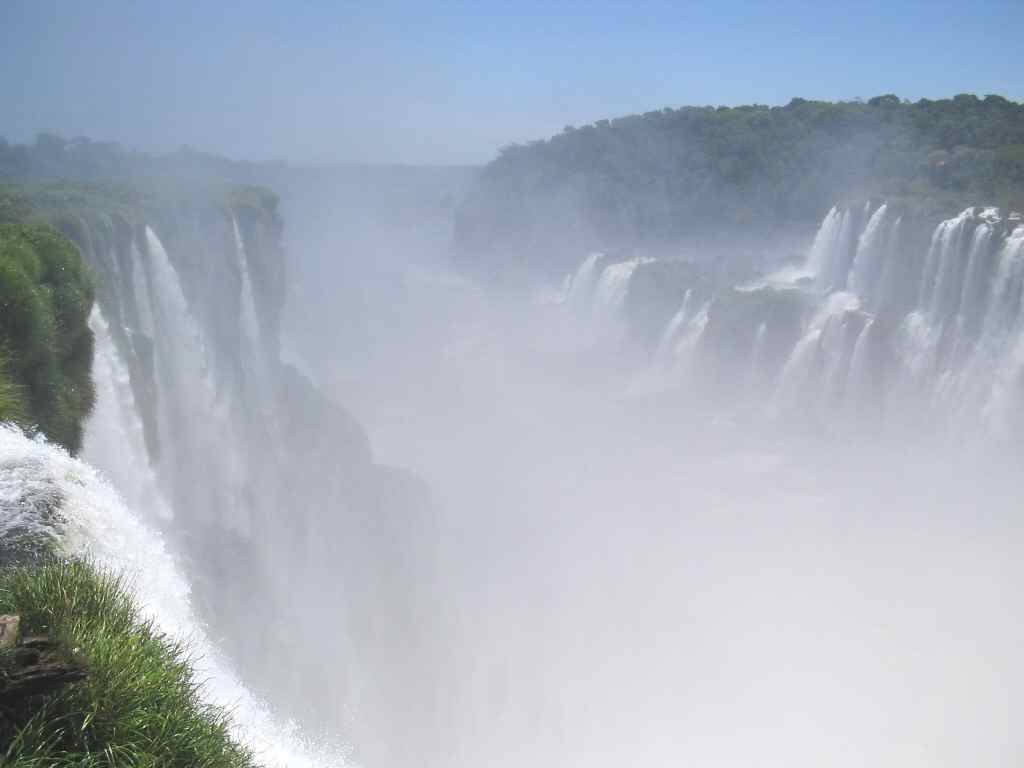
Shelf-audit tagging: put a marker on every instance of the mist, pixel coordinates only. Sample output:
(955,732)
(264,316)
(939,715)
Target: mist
(462,404)
(631,572)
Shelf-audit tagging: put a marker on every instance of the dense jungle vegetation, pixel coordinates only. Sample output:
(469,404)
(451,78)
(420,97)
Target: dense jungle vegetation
(667,174)
(46,295)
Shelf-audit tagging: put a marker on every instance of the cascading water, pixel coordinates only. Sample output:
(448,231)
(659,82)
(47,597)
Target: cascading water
(692,333)
(870,255)
(96,524)
(253,355)
(114,437)
(141,291)
(611,289)
(820,262)
(188,406)
(666,345)
(859,377)
(953,350)
(818,352)
(596,297)
(582,283)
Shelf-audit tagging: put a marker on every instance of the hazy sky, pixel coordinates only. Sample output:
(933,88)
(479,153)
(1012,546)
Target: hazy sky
(449,82)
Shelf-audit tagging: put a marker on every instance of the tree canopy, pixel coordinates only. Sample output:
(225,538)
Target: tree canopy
(667,173)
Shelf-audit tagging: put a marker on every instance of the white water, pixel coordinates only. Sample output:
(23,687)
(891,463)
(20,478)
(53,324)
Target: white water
(249,319)
(666,345)
(581,285)
(114,438)
(99,526)
(140,287)
(193,420)
(954,355)
(610,294)
(254,352)
(868,260)
(818,350)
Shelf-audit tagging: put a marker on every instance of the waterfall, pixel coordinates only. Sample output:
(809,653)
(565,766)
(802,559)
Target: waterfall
(944,268)
(249,319)
(689,339)
(582,283)
(666,344)
(858,380)
(950,350)
(99,525)
(821,337)
(1004,339)
(867,261)
(824,248)
(114,438)
(191,417)
(253,352)
(612,287)
(140,287)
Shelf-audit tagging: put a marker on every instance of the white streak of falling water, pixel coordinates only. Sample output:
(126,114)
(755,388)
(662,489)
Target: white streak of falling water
(819,260)
(663,353)
(887,287)
(756,353)
(612,287)
(870,252)
(693,332)
(609,298)
(187,396)
(581,286)
(250,322)
(798,368)
(140,287)
(114,439)
(858,380)
(944,269)
(253,353)
(1006,322)
(99,526)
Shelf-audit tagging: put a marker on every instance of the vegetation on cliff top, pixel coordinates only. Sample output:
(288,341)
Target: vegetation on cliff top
(46,294)
(669,173)
(139,703)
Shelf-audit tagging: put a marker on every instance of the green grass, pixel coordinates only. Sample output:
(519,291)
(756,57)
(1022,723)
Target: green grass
(140,704)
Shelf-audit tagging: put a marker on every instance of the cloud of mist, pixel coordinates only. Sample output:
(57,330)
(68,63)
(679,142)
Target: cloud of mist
(637,580)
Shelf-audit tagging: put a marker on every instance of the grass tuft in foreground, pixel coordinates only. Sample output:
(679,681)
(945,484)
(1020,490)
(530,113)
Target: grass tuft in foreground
(139,704)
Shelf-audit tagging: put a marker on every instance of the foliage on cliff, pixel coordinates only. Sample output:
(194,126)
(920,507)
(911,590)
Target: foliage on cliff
(46,294)
(665,174)
(139,703)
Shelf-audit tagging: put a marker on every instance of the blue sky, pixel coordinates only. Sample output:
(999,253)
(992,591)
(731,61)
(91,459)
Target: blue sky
(450,82)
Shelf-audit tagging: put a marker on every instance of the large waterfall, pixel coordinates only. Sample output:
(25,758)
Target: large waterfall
(96,523)
(266,491)
(871,322)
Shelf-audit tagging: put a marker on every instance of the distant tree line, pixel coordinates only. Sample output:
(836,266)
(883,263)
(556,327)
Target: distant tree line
(52,158)
(669,173)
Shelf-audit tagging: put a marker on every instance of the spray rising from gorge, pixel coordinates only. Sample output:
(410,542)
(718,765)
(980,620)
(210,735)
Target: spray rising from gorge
(740,488)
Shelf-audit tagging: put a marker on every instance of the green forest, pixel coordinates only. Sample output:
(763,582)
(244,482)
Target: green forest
(46,294)
(666,174)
